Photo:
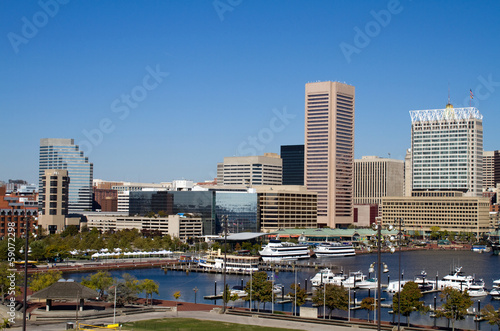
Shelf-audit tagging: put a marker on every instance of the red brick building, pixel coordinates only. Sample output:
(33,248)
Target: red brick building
(14,210)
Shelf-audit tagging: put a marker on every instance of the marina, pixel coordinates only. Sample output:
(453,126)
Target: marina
(436,263)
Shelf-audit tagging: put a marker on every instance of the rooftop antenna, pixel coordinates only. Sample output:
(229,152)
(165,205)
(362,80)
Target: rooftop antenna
(448,92)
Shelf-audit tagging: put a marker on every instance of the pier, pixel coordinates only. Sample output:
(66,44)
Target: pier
(283,266)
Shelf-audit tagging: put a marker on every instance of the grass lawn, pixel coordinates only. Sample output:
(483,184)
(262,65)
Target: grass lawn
(182,324)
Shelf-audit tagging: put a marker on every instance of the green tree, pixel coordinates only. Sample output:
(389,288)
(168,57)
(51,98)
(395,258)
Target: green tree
(38,250)
(100,281)
(410,295)
(6,277)
(227,296)
(126,290)
(149,286)
(455,305)
(491,315)
(177,295)
(368,303)
(70,230)
(39,281)
(435,232)
(335,297)
(299,293)
(162,213)
(261,289)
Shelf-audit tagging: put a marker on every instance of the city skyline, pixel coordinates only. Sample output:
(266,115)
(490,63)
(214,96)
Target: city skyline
(209,79)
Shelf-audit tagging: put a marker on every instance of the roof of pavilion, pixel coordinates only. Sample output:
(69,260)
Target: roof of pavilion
(68,290)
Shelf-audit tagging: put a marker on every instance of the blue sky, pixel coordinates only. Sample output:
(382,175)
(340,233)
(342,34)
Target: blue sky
(161,90)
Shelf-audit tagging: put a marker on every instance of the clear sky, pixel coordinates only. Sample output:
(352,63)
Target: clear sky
(161,90)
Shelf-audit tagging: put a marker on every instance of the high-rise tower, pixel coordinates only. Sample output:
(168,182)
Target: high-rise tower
(63,154)
(329,150)
(447,150)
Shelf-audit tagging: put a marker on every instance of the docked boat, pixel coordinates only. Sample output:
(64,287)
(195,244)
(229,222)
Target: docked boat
(495,291)
(238,290)
(233,263)
(393,286)
(456,280)
(334,249)
(276,250)
(423,283)
(326,276)
(476,289)
(359,280)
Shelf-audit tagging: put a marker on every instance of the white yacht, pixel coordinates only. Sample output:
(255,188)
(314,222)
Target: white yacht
(456,280)
(393,286)
(276,250)
(423,283)
(495,291)
(334,249)
(476,289)
(359,280)
(326,276)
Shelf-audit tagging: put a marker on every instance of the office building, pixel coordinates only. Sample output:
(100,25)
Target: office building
(376,177)
(181,226)
(447,150)
(293,164)
(105,200)
(251,170)
(450,211)
(240,209)
(63,154)
(329,150)
(54,200)
(286,207)
(491,169)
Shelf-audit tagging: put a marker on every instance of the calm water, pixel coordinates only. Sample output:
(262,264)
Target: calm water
(440,263)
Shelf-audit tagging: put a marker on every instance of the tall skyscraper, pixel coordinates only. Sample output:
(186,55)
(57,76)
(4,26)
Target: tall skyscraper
(447,150)
(491,169)
(329,150)
(63,154)
(293,164)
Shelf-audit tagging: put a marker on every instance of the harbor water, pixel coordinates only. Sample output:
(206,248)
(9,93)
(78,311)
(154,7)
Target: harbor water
(194,286)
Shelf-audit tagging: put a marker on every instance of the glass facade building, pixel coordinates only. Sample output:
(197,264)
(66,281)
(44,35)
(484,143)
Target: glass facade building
(63,154)
(241,211)
(293,164)
(143,202)
(199,203)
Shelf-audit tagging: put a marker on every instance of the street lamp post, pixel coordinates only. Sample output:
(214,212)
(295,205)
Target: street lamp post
(225,254)
(400,220)
(378,227)
(195,290)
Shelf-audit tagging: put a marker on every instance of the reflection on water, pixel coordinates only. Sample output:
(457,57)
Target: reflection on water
(435,263)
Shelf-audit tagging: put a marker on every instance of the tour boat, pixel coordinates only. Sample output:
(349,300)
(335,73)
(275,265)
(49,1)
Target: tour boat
(276,250)
(334,249)
(233,263)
